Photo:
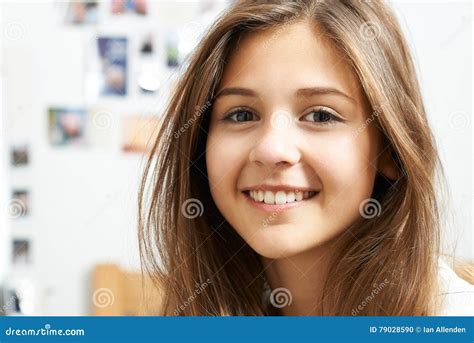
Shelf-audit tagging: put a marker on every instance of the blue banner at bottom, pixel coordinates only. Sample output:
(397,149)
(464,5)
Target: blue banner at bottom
(237,329)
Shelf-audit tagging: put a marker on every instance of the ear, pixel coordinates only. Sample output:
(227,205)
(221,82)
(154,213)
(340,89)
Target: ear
(387,166)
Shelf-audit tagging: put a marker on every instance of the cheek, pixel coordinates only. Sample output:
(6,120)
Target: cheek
(345,169)
(224,160)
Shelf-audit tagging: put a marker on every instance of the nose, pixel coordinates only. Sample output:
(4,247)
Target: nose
(276,146)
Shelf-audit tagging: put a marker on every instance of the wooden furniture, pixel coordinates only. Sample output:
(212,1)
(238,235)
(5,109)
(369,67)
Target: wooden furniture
(116,292)
(465,270)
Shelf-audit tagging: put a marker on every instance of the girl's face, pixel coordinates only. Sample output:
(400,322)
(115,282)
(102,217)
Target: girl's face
(290,156)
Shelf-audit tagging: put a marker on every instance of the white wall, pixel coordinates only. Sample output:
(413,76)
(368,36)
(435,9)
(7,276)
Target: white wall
(83,200)
(440,35)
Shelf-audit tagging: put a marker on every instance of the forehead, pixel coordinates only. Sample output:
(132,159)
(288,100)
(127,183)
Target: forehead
(295,55)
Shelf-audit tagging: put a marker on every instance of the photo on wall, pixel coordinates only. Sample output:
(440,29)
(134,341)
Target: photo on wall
(82,12)
(139,133)
(19,205)
(147,45)
(119,7)
(67,125)
(113,62)
(21,252)
(173,57)
(148,77)
(19,155)
(10,302)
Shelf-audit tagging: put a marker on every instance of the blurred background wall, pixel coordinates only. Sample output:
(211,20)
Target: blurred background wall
(72,204)
(81,201)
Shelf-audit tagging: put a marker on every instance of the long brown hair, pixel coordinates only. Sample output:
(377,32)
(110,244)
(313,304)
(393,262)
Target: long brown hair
(198,261)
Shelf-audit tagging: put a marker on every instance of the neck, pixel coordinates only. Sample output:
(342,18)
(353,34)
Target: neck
(303,275)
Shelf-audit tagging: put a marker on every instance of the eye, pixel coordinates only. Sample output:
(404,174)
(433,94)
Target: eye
(241,115)
(321,116)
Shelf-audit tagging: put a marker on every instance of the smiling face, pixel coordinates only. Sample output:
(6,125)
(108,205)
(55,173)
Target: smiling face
(289,158)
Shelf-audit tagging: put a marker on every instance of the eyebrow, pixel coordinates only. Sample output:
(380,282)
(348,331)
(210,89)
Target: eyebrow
(307,92)
(237,91)
(303,92)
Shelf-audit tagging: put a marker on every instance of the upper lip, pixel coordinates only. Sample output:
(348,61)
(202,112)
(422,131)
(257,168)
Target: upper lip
(281,187)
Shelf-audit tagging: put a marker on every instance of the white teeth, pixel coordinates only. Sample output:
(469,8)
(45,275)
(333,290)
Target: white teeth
(290,197)
(269,198)
(299,196)
(280,197)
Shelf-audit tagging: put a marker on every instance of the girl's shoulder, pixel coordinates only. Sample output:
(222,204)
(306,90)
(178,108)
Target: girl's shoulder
(457,295)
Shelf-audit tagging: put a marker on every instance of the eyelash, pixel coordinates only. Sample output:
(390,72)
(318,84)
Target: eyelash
(332,118)
(237,111)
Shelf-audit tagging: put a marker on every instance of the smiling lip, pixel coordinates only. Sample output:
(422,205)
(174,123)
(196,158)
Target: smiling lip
(272,208)
(276,188)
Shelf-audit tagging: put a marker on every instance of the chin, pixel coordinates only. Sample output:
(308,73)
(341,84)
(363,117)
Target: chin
(276,246)
(272,252)
(284,241)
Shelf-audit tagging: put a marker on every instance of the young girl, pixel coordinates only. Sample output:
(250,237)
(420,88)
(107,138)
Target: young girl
(295,171)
